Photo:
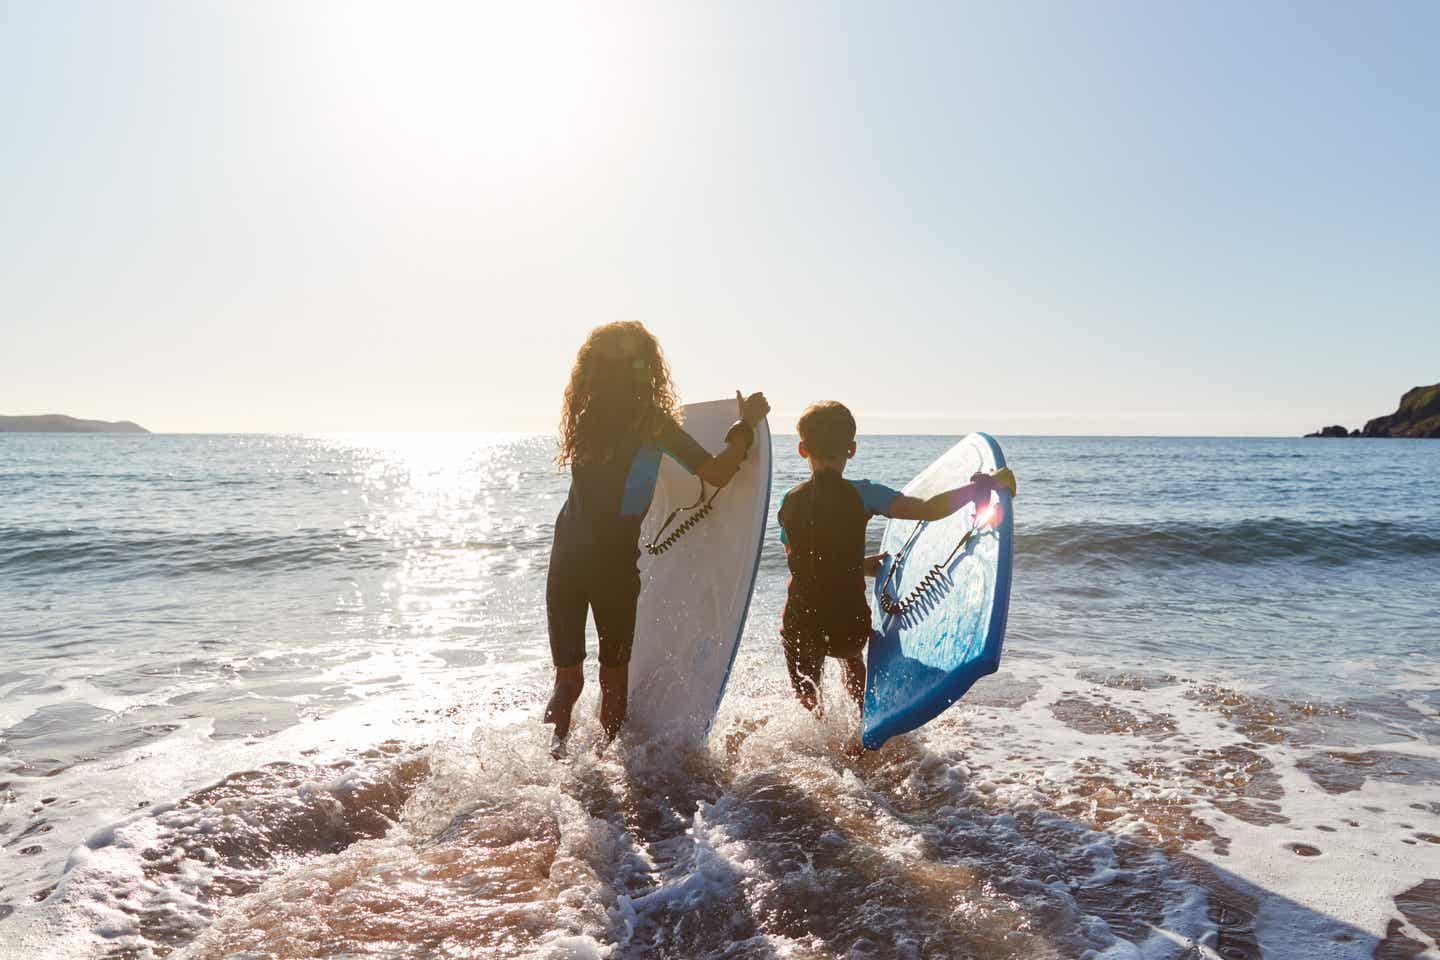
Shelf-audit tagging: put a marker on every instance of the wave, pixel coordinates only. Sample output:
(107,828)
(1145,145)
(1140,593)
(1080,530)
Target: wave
(31,552)
(1248,541)
(35,552)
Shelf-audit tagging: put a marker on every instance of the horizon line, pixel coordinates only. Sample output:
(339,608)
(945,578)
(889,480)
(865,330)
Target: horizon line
(783,433)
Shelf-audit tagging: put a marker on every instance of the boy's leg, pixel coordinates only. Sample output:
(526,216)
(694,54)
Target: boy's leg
(805,661)
(847,644)
(804,649)
(853,671)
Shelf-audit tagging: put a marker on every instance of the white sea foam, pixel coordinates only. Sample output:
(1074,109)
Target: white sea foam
(1007,827)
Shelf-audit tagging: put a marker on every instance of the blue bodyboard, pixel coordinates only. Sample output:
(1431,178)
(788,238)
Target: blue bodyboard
(924,658)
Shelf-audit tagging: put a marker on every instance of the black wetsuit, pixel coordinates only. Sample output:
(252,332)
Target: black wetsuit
(597,536)
(822,522)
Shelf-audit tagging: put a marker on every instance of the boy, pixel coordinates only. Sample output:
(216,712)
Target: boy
(822,524)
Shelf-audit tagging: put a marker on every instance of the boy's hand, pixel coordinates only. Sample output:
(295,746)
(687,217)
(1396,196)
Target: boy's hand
(1004,477)
(752,408)
(874,563)
(999,479)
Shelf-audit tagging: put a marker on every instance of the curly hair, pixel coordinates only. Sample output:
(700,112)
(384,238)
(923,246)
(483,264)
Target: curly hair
(620,386)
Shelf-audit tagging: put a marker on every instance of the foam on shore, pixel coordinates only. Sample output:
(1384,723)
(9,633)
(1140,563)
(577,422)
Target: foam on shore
(1062,810)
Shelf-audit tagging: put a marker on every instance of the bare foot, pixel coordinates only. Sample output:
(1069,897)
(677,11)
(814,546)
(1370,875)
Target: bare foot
(569,681)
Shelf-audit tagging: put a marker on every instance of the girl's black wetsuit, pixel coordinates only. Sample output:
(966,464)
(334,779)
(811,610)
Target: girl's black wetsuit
(597,537)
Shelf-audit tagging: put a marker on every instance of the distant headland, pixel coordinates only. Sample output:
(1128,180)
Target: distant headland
(59,423)
(1418,416)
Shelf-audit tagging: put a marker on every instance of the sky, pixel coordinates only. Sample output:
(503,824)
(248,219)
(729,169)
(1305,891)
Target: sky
(1099,218)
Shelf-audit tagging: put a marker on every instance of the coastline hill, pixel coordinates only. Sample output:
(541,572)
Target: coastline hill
(1417,416)
(58,423)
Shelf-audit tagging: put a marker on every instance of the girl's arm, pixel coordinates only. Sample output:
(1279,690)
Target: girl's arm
(942,505)
(719,469)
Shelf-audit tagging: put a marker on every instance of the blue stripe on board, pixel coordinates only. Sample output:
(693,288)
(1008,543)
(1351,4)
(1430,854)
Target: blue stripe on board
(750,594)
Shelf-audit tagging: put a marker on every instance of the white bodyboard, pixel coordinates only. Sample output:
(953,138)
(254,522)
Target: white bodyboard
(695,596)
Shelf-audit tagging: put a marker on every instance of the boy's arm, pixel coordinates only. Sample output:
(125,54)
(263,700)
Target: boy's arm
(872,562)
(942,505)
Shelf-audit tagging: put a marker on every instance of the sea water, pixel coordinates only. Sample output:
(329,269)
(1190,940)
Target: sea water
(280,696)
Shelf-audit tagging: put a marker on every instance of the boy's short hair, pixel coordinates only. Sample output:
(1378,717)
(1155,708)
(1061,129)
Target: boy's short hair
(827,428)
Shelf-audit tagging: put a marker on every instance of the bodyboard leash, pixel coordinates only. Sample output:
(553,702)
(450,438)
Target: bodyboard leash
(933,576)
(701,507)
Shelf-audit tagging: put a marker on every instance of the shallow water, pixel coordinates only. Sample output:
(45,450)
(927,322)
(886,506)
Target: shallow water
(277,696)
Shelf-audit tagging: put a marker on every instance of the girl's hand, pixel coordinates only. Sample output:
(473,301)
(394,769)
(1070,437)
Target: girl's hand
(752,408)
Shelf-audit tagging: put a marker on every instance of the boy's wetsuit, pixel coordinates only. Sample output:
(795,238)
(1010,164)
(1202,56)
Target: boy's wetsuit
(597,535)
(822,523)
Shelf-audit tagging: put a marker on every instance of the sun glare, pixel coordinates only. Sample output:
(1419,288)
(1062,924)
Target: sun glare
(989,517)
(466,92)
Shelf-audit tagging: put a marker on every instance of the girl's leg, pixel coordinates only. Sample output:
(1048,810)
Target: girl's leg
(613,601)
(565,609)
(614,697)
(569,681)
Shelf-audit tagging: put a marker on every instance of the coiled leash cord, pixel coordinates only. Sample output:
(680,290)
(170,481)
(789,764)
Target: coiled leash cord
(928,582)
(702,507)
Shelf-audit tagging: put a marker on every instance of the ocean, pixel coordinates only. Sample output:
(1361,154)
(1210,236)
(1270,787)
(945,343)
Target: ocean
(279,696)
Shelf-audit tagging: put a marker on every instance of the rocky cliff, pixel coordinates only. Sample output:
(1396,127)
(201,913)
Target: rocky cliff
(1335,431)
(1417,416)
(58,423)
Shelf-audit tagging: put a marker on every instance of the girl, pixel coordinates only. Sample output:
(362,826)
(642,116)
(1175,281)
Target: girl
(620,408)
